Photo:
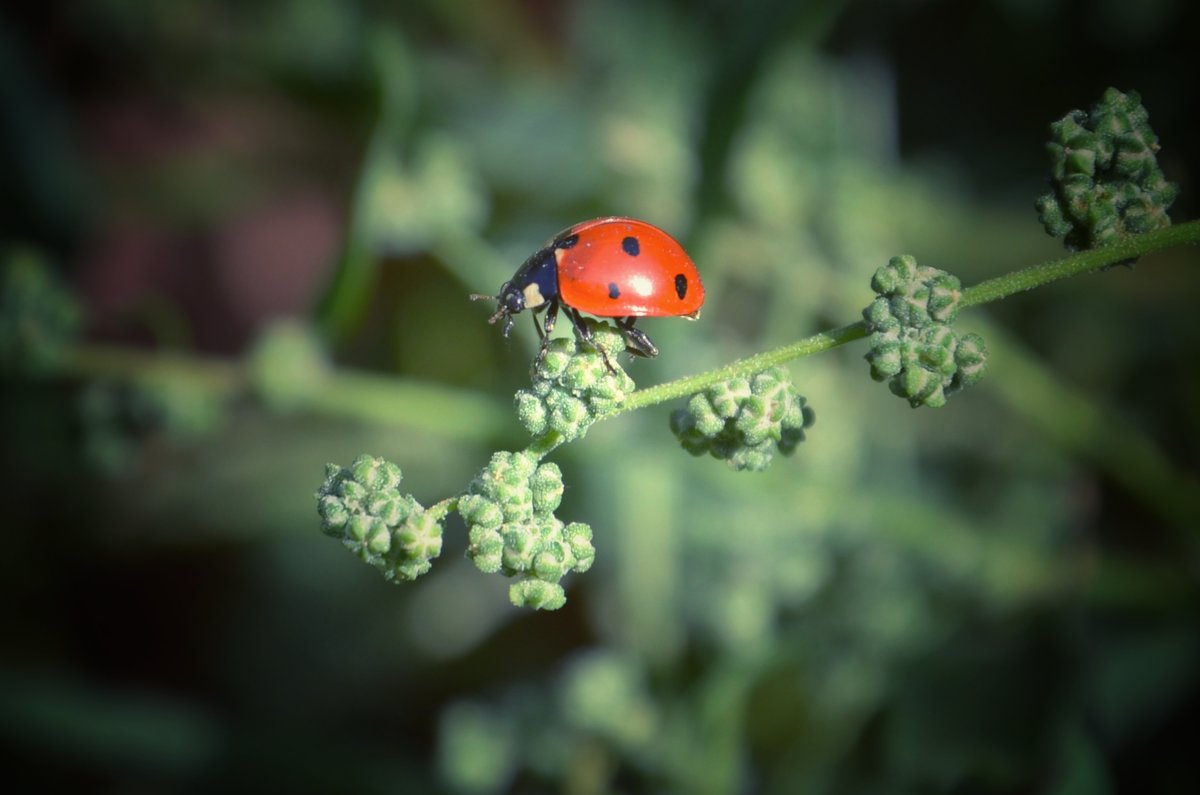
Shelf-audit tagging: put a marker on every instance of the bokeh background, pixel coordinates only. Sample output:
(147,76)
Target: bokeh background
(1000,596)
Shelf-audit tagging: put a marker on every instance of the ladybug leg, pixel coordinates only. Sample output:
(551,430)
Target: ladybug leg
(549,323)
(544,328)
(636,341)
(583,334)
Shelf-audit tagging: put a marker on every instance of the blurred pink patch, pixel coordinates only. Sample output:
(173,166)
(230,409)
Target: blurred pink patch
(272,259)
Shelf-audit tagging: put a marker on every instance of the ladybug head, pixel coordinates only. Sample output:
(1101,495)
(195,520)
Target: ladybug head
(511,302)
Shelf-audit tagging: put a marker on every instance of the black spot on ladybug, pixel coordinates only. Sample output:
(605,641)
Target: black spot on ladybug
(630,246)
(567,242)
(614,292)
(680,285)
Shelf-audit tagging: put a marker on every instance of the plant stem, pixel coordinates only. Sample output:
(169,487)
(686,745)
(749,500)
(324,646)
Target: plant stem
(216,377)
(1083,262)
(982,293)
(374,398)
(439,510)
(541,446)
(743,367)
(387,400)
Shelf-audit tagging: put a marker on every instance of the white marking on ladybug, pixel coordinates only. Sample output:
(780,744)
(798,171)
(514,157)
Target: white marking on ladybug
(533,295)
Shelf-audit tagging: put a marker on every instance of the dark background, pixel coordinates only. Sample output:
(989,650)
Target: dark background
(1000,596)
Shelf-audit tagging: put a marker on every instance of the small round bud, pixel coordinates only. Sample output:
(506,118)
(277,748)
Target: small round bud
(606,338)
(727,397)
(568,414)
(485,548)
(520,547)
(552,563)
(389,506)
(538,594)
(581,374)
(547,487)
(531,412)
(578,536)
(420,536)
(970,358)
(913,295)
(559,355)
(375,473)
(477,510)
(333,514)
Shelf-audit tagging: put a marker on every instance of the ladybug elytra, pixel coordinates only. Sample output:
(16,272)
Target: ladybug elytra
(608,267)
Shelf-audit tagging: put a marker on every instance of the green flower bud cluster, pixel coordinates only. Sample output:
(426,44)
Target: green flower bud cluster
(509,511)
(913,347)
(363,506)
(744,420)
(1105,176)
(38,316)
(573,385)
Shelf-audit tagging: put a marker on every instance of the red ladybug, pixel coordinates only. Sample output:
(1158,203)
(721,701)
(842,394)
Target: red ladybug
(608,267)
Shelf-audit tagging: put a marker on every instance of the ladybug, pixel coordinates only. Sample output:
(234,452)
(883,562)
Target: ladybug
(614,267)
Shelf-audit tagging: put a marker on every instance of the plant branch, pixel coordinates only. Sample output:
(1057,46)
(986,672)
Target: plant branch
(691,384)
(391,401)
(355,395)
(1082,262)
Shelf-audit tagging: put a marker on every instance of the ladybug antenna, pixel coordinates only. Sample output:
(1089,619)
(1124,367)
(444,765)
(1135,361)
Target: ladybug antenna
(502,312)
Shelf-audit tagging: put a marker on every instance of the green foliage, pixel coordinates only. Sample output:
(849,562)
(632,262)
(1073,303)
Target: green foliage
(117,418)
(477,748)
(604,694)
(39,317)
(1104,171)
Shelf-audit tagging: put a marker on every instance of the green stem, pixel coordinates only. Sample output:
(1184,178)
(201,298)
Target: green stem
(387,400)
(439,509)
(373,398)
(691,384)
(1094,259)
(982,293)
(542,445)
(216,377)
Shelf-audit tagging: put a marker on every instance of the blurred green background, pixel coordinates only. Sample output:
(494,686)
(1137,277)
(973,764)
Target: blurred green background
(1000,596)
